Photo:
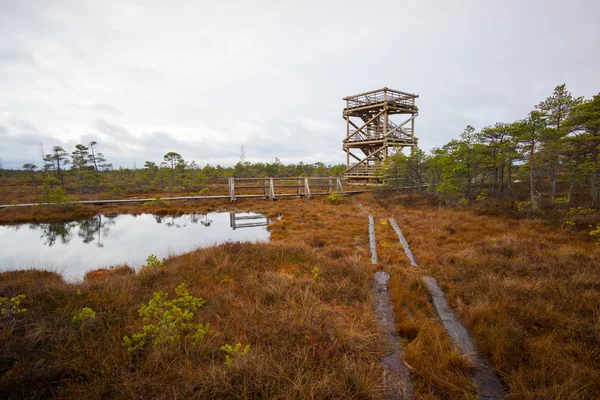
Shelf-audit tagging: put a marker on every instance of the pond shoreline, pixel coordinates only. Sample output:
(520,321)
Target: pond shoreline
(104,240)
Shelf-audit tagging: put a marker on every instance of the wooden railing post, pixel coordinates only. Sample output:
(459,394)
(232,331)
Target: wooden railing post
(340,188)
(232,189)
(306,189)
(272,197)
(299,186)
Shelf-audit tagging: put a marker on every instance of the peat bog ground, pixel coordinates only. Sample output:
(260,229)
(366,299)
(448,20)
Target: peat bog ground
(303,302)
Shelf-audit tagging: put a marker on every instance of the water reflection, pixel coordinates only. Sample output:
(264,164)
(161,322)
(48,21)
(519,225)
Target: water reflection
(237,221)
(95,228)
(78,246)
(89,230)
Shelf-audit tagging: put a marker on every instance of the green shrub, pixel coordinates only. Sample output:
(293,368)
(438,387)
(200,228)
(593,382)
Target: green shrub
(85,314)
(335,198)
(234,351)
(153,265)
(315,272)
(12,307)
(576,215)
(168,321)
(115,191)
(525,207)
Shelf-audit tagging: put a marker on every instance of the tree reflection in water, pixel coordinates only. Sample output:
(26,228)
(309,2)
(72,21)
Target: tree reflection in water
(96,226)
(194,219)
(55,230)
(88,230)
(94,229)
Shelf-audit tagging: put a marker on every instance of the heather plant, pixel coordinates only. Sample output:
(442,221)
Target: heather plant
(335,198)
(168,321)
(315,272)
(596,233)
(11,307)
(575,214)
(84,315)
(232,352)
(525,207)
(153,265)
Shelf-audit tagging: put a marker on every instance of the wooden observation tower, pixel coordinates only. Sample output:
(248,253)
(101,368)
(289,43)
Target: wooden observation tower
(370,130)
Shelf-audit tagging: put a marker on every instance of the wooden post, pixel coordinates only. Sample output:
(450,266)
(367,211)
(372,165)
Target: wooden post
(340,189)
(266,183)
(232,189)
(232,220)
(306,189)
(330,187)
(272,189)
(299,186)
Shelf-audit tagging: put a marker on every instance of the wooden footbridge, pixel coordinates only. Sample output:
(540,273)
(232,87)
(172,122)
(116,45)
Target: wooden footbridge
(244,188)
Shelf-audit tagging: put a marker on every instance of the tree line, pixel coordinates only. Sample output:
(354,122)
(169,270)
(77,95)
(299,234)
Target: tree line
(554,150)
(87,170)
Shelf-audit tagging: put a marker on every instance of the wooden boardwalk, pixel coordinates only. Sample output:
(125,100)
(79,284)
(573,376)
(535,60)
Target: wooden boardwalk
(245,188)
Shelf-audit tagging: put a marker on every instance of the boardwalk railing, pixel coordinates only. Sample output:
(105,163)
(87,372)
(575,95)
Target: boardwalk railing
(240,188)
(272,188)
(237,221)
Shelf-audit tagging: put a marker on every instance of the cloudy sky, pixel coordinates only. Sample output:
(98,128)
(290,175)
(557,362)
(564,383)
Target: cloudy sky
(204,77)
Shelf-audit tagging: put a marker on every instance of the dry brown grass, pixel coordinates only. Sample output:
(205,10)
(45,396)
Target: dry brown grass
(309,337)
(529,295)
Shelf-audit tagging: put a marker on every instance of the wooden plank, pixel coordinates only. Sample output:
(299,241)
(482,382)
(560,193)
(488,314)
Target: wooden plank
(372,242)
(249,225)
(404,242)
(397,379)
(488,384)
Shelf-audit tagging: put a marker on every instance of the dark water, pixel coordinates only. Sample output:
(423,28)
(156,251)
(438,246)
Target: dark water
(76,247)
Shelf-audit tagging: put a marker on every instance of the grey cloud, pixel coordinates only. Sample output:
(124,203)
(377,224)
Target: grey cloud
(106,109)
(23,126)
(19,56)
(113,130)
(269,83)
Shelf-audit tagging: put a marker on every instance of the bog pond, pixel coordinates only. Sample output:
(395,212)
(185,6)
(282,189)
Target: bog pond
(75,247)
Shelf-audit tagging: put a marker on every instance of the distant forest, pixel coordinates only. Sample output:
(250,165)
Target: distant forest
(86,170)
(553,152)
